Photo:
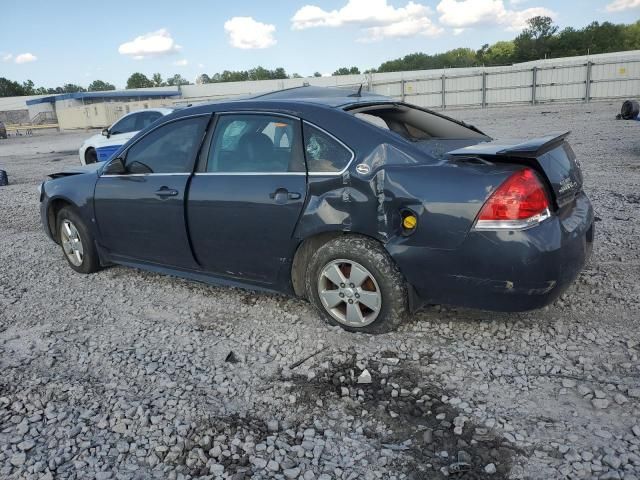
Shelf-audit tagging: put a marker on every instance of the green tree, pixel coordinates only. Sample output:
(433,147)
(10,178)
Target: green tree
(156,78)
(9,88)
(500,53)
(317,74)
(100,86)
(536,41)
(631,36)
(279,73)
(139,80)
(203,78)
(347,71)
(28,87)
(72,88)
(177,80)
(296,75)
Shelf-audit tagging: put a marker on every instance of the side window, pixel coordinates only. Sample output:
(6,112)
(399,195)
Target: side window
(147,118)
(170,148)
(256,143)
(125,125)
(323,152)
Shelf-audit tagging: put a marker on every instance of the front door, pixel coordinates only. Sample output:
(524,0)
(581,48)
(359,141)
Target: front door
(244,206)
(140,214)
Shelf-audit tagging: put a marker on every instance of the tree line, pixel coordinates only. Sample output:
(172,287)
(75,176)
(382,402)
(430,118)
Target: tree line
(540,39)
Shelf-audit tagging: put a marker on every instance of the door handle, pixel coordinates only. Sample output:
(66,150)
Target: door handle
(281,195)
(166,192)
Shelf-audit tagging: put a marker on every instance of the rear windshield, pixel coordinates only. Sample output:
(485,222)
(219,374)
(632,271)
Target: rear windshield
(414,124)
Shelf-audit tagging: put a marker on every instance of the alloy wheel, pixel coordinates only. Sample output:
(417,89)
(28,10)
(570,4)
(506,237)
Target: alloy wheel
(71,242)
(349,293)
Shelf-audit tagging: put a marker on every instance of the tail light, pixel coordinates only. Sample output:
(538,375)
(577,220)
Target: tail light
(519,203)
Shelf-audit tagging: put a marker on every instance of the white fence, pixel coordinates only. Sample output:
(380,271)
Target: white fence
(572,79)
(586,82)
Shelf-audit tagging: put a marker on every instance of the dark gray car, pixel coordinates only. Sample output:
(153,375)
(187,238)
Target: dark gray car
(366,206)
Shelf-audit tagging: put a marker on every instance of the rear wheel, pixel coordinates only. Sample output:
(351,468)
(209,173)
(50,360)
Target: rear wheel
(77,242)
(90,156)
(354,283)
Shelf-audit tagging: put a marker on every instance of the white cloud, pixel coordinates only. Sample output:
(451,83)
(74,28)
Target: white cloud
(201,65)
(181,63)
(247,33)
(6,57)
(150,44)
(620,5)
(378,19)
(405,28)
(470,13)
(25,58)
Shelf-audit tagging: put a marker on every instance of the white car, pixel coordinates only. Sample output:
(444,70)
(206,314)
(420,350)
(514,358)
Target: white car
(101,146)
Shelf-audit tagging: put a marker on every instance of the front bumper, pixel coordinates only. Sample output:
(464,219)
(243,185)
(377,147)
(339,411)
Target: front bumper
(503,270)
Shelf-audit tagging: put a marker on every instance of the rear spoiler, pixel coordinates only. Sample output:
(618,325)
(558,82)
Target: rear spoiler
(525,149)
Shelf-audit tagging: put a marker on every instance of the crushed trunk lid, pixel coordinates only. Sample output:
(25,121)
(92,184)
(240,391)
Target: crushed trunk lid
(550,155)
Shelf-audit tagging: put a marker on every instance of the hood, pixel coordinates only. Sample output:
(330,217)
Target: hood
(80,169)
(93,138)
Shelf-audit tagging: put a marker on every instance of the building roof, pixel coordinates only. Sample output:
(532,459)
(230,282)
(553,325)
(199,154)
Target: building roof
(107,94)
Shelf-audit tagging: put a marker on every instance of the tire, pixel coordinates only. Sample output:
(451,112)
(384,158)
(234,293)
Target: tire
(383,285)
(76,241)
(90,156)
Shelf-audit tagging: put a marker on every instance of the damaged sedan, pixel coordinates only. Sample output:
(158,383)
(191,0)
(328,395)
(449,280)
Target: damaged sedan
(366,206)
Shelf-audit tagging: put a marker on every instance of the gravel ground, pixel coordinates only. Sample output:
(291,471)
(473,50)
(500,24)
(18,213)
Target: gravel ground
(127,374)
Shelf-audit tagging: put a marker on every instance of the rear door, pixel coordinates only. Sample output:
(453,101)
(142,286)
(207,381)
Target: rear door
(140,214)
(244,205)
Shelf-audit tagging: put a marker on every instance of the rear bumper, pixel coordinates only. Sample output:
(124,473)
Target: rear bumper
(503,271)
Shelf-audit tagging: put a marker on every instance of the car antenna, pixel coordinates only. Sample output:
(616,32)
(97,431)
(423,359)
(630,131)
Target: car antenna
(358,93)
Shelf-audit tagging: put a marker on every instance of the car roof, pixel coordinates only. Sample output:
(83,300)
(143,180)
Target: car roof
(162,110)
(332,97)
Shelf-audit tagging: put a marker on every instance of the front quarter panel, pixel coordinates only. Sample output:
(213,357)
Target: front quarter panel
(75,190)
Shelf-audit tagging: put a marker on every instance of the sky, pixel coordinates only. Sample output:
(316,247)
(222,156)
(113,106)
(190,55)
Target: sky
(81,41)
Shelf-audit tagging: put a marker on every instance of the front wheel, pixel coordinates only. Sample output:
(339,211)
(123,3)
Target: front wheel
(90,156)
(354,283)
(76,242)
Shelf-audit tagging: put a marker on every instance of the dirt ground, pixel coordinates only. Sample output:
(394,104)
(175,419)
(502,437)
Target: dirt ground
(128,374)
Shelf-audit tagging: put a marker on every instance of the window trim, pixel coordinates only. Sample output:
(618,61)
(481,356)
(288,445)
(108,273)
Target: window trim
(328,174)
(250,112)
(124,154)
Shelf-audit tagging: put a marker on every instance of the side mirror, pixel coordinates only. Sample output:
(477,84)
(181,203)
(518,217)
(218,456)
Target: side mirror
(106,133)
(115,167)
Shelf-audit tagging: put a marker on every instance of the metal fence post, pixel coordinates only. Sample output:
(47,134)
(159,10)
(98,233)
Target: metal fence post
(587,88)
(484,89)
(402,89)
(444,90)
(534,84)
